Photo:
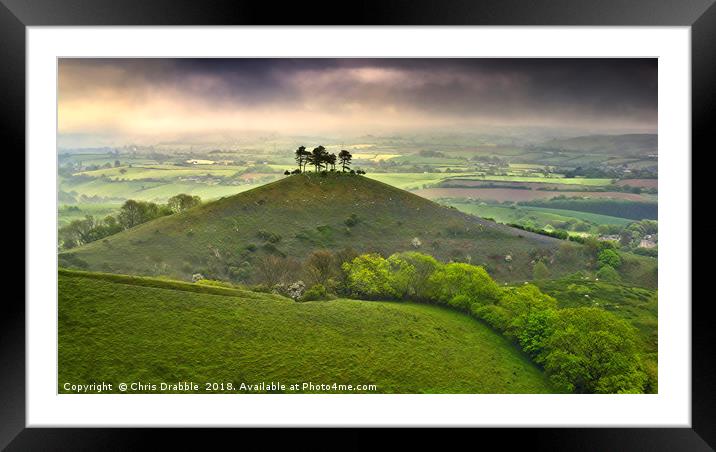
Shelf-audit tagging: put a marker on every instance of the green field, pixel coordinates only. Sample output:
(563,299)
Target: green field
(116,329)
(162,172)
(538,215)
(584,216)
(408,181)
(150,190)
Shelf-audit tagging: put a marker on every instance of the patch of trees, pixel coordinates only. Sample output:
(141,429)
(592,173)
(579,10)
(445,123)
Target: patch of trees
(611,172)
(433,154)
(556,233)
(131,214)
(582,350)
(322,161)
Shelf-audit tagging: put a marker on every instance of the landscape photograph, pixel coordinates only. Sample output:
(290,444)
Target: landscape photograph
(357,225)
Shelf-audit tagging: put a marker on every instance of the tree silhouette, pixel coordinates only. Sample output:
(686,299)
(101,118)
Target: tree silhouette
(345,158)
(331,160)
(317,157)
(302,157)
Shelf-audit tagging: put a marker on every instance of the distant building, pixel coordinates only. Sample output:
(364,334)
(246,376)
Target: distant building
(647,243)
(200,162)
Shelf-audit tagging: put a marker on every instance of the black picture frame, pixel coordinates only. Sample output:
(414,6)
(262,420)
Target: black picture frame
(16,15)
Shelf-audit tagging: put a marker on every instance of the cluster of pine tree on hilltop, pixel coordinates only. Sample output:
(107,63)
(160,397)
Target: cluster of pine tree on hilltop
(321,160)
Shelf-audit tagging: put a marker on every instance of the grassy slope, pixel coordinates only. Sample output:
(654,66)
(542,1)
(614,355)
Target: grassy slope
(115,329)
(309,212)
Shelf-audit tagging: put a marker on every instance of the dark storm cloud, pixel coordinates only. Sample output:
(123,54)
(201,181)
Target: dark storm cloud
(514,91)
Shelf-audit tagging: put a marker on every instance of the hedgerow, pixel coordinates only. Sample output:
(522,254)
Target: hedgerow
(584,350)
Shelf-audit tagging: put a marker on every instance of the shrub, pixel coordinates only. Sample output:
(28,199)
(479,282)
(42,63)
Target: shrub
(369,276)
(268,236)
(320,267)
(411,273)
(608,273)
(540,271)
(242,272)
(609,257)
(462,302)
(593,351)
(454,279)
(296,290)
(315,293)
(352,220)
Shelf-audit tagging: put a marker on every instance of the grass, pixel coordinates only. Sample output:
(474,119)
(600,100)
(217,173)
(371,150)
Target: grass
(116,329)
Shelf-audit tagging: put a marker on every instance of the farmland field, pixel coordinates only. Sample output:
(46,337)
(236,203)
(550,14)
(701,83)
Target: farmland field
(645,183)
(66,214)
(152,191)
(539,215)
(542,180)
(407,181)
(161,172)
(516,195)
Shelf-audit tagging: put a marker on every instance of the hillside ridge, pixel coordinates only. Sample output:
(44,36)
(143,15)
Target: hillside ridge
(302,213)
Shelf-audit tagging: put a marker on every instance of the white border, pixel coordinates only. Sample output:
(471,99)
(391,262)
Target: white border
(671,407)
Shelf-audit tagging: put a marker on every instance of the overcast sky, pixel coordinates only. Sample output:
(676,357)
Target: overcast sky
(169,98)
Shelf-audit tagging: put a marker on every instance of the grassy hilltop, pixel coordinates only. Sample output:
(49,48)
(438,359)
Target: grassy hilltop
(301,213)
(117,328)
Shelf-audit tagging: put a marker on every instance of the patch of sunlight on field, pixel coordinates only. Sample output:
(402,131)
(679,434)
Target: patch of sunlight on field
(408,181)
(373,157)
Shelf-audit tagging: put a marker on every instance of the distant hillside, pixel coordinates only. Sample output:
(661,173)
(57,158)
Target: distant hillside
(114,328)
(302,213)
(622,145)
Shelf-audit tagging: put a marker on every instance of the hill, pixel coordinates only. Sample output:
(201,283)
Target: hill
(228,238)
(622,145)
(117,328)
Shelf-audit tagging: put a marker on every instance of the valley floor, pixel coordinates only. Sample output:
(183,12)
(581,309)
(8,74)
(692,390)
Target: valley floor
(118,329)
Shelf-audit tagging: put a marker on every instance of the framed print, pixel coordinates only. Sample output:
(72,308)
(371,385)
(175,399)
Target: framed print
(409,218)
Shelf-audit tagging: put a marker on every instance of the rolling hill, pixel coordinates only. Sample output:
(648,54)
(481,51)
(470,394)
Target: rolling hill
(117,328)
(622,145)
(301,213)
